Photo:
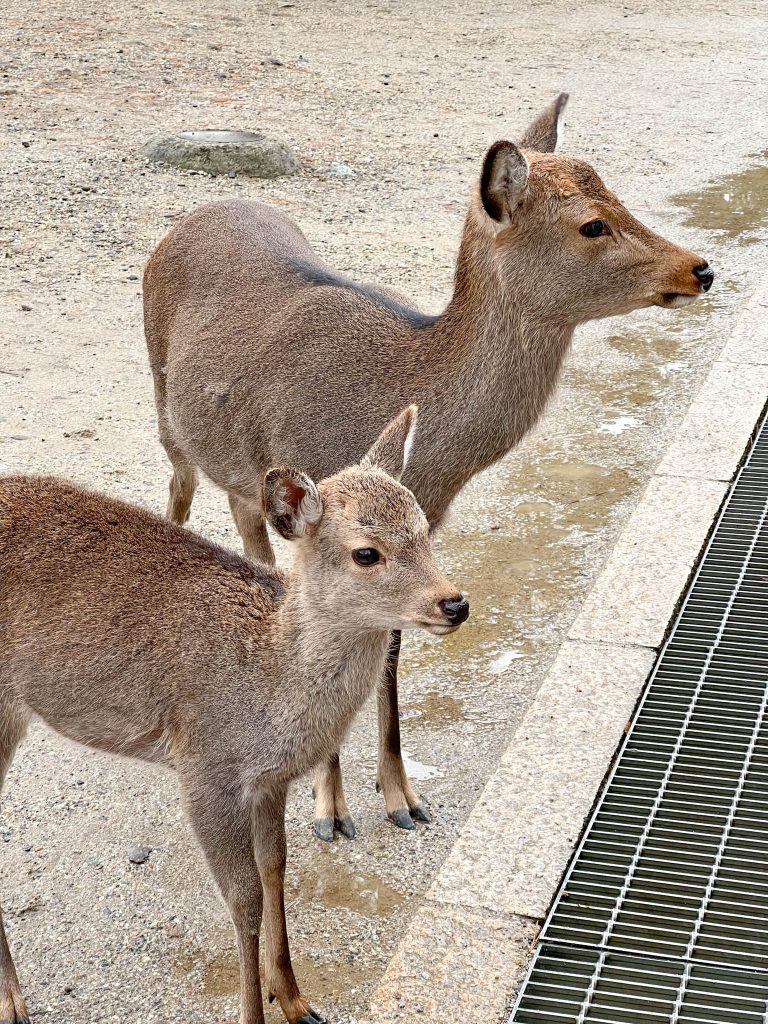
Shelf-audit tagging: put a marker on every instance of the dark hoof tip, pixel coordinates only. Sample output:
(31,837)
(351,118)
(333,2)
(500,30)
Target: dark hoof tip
(324,829)
(271,997)
(346,826)
(402,818)
(311,1018)
(420,813)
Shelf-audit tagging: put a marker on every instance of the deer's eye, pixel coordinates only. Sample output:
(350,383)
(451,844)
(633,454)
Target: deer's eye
(366,556)
(595,228)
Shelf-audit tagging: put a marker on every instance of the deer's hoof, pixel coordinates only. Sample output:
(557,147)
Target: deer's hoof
(346,826)
(323,829)
(402,818)
(311,1018)
(420,813)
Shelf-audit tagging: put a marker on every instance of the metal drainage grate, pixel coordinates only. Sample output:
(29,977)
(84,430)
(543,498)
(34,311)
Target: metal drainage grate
(663,912)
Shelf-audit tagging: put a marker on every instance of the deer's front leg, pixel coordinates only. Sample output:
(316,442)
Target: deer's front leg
(400,798)
(270,851)
(221,821)
(331,811)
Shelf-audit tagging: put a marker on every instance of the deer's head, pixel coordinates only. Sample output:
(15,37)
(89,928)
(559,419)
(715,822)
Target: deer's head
(565,243)
(363,549)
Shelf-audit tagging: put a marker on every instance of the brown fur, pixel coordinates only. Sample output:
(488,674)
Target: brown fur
(131,635)
(261,353)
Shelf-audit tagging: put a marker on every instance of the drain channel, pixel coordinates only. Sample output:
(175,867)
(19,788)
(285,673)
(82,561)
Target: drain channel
(662,917)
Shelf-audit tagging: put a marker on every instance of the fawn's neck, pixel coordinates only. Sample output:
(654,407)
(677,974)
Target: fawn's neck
(332,669)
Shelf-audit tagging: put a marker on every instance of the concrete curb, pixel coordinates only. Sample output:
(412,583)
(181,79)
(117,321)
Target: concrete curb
(463,949)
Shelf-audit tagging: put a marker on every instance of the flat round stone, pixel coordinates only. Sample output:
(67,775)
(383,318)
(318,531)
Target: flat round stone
(224,152)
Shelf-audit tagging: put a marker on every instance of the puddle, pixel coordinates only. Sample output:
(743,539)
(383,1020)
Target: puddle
(416,771)
(735,206)
(334,886)
(618,425)
(502,662)
(220,975)
(437,709)
(337,885)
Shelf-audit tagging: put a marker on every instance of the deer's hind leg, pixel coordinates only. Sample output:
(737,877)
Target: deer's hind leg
(13,1008)
(184,480)
(182,486)
(252,527)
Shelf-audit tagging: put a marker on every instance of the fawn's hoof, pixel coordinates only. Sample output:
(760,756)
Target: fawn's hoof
(311,1018)
(402,818)
(420,813)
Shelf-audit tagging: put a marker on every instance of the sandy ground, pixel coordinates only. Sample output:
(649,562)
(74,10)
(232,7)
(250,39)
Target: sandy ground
(667,103)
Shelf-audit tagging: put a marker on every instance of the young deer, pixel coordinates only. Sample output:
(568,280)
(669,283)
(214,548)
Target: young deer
(262,353)
(131,635)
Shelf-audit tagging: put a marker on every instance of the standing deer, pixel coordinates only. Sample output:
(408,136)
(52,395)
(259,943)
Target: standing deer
(262,353)
(132,635)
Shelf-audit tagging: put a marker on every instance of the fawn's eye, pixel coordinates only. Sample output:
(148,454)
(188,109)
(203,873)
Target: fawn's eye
(595,228)
(366,556)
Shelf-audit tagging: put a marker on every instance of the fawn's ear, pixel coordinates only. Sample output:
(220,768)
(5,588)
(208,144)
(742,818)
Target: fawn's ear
(391,449)
(291,502)
(504,180)
(545,133)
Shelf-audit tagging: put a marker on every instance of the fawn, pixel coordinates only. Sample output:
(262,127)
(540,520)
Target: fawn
(261,353)
(131,635)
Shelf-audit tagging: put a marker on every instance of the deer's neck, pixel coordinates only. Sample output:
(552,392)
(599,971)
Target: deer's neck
(498,354)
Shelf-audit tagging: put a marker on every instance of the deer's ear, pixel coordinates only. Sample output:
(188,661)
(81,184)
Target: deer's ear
(504,180)
(391,449)
(291,502)
(544,134)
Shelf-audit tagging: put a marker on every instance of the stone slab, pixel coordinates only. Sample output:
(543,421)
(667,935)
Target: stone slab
(713,436)
(646,573)
(454,965)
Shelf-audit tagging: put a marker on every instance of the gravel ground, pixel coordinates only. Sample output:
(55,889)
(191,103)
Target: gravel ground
(667,103)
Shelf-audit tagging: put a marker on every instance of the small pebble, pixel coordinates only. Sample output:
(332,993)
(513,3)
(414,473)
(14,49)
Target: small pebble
(139,854)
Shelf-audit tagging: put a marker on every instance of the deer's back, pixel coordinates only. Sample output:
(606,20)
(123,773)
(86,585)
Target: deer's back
(265,355)
(113,621)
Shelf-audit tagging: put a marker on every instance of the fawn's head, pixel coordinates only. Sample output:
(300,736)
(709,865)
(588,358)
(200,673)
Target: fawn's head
(362,540)
(568,245)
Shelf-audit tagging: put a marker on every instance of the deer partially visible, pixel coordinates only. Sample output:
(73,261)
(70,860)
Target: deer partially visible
(131,635)
(260,353)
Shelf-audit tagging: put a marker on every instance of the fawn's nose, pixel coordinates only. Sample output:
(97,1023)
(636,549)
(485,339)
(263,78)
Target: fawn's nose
(455,610)
(705,275)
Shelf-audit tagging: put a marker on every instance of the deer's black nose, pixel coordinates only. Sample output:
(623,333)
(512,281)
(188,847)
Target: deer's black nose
(456,611)
(705,275)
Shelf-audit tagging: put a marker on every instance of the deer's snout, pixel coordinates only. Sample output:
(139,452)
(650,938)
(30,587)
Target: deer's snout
(705,275)
(455,610)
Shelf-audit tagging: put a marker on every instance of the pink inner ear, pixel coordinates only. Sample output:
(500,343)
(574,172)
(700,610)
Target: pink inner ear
(293,493)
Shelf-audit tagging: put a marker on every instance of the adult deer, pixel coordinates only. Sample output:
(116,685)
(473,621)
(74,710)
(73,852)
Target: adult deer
(133,636)
(262,353)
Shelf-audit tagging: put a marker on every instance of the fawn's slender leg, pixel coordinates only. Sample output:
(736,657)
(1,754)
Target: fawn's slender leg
(331,811)
(270,851)
(221,819)
(400,798)
(13,1008)
(252,527)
